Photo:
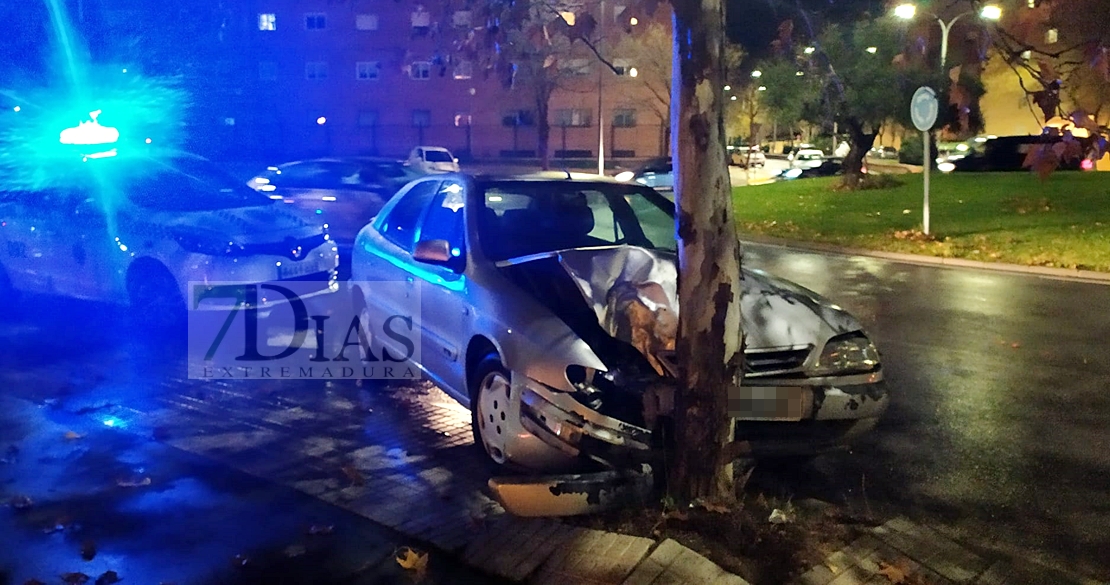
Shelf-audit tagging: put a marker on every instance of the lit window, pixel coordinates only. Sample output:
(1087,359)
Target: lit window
(464,70)
(368,70)
(421,70)
(461,18)
(462,119)
(366,21)
(573,117)
(368,118)
(316,21)
(421,21)
(267,21)
(624,118)
(421,118)
(316,70)
(1031,3)
(1051,36)
(267,70)
(623,66)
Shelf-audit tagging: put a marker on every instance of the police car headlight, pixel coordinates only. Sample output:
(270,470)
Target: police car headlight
(208,244)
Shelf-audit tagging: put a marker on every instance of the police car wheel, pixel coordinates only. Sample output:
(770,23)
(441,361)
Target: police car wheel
(153,294)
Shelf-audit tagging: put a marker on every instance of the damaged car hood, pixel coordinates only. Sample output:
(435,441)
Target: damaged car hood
(634,294)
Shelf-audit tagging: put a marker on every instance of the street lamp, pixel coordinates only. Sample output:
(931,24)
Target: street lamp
(909,11)
(757,73)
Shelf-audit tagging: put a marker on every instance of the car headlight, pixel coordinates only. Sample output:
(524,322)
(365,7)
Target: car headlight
(625,176)
(852,353)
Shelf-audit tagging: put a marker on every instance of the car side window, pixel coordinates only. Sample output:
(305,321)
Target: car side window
(444,220)
(399,225)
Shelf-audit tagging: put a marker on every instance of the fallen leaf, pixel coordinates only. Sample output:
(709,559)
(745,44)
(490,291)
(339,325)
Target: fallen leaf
(1015,345)
(354,475)
(317,530)
(133,482)
(75,578)
(412,560)
(108,578)
(294,550)
(71,436)
(895,575)
(21,502)
(88,550)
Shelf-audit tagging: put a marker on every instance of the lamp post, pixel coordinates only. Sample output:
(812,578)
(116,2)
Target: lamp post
(909,11)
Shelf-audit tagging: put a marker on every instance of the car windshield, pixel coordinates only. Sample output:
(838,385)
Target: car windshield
(521,218)
(187,185)
(437,156)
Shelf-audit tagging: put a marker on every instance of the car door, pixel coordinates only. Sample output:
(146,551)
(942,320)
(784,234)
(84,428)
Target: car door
(445,310)
(390,261)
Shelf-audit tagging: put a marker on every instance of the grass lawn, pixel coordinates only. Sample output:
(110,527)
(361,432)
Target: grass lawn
(994,217)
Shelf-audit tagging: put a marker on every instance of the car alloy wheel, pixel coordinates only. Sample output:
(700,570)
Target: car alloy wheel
(491,413)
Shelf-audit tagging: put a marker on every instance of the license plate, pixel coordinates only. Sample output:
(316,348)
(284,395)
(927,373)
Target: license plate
(296,269)
(770,403)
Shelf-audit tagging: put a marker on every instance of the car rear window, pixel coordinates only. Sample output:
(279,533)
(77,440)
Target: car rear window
(437,156)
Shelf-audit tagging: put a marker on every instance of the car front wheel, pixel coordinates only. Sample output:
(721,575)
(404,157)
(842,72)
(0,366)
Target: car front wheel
(490,395)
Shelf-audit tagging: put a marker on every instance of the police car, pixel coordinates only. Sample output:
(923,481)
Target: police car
(138,226)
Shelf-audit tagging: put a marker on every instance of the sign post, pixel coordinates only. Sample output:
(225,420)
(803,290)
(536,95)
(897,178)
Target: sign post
(923,112)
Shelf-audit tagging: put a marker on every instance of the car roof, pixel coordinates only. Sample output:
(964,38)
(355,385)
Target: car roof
(440,148)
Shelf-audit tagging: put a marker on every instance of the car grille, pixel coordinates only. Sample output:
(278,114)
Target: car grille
(775,360)
(287,248)
(758,363)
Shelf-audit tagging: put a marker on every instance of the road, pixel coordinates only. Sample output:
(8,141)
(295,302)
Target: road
(1000,413)
(998,426)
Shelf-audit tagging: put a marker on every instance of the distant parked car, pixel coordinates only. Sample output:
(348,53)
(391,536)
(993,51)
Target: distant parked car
(746,156)
(1005,153)
(433,159)
(807,158)
(344,193)
(656,173)
(883,152)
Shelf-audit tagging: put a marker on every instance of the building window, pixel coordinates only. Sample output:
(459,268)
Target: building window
(368,118)
(1031,3)
(267,70)
(624,118)
(464,70)
(421,21)
(461,18)
(576,66)
(316,70)
(421,118)
(1051,36)
(368,70)
(421,70)
(573,117)
(366,21)
(316,21)
(623,67)
(462,119)
(267,21)
(518,118)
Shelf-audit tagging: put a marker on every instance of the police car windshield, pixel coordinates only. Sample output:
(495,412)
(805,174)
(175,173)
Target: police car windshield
(188,185)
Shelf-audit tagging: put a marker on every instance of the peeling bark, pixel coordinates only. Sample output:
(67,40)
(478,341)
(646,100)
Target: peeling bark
(709,342)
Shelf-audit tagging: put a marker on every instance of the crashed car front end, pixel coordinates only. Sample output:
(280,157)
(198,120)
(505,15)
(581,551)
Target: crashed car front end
(813,380)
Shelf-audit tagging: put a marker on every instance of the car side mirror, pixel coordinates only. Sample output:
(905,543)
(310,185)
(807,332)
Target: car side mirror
(433,252)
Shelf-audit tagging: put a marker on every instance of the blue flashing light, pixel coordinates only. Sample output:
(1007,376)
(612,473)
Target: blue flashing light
(89,132)
(456,252)
(17,108)
(319,212)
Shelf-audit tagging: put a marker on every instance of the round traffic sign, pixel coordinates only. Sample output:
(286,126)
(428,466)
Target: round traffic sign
(924,108)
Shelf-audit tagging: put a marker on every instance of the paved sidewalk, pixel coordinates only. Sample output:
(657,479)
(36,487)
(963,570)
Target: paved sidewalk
(902,552)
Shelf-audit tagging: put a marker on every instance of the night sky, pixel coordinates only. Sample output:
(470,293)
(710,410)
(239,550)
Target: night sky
(753,23)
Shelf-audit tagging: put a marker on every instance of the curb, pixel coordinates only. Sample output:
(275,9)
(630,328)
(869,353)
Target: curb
(1085,276)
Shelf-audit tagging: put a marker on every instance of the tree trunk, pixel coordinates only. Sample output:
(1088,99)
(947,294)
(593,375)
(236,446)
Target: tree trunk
(860,143)
(710,354)
(543,128)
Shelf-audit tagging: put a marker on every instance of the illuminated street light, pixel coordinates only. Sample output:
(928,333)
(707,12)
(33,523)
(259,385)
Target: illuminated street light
(633,21)
(809,50)
(757,73)
(762,88)
(872,50)
(905,11)
(909,11)
(728,87)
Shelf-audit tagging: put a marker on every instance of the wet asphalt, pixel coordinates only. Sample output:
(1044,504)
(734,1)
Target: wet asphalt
(1000,414)
(998,429)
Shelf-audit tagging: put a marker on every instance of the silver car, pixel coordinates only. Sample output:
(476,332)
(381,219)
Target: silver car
(549,308)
